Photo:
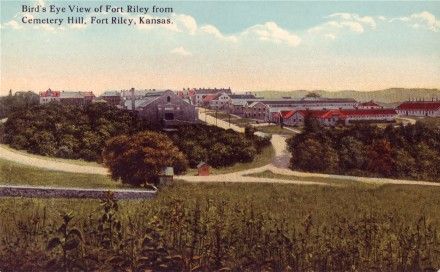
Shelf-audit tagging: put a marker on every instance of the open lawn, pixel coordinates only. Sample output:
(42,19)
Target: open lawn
(12,173)
(275,129)
(264,158)
(239,121)
(249,227)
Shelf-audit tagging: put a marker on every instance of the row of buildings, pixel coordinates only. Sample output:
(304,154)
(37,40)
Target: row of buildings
(329,111)
(158,107)
(173,107)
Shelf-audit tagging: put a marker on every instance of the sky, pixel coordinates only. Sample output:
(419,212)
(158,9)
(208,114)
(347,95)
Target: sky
(245,45)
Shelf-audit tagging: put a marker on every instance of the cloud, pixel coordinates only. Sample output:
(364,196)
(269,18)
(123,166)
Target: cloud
(353,17)
(13,25)
(340,22)
(186,23)
(180,51)
(41,2)
(48,28)
(212,30)
(330,36)
(423,19)
(271,32)
(78,26)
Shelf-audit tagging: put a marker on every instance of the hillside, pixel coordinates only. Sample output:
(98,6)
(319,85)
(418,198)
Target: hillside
(391,95)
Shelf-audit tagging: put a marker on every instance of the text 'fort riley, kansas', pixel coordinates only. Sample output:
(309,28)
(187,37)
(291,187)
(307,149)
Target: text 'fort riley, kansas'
(98,15)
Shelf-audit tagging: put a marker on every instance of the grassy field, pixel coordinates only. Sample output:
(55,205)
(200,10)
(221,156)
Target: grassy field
(17,174)
(239,121)
(331,181)
(275,129)
(243,227)
(264,158)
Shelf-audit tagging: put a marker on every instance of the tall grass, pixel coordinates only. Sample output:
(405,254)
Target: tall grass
(246,227)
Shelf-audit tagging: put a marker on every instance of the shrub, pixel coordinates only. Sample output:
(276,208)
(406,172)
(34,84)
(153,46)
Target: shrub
(139,159)
(67,131)
(410,151)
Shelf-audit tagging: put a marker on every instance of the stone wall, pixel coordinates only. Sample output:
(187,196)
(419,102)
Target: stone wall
(53,192)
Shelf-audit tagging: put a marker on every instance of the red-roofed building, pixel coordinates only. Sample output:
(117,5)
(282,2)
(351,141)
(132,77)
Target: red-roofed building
(335,117)
(369,116)
(419,108)
(67,97)
(325,117)
(208,98)
(49,96)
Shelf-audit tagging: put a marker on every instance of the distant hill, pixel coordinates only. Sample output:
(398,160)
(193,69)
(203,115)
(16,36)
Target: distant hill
(389,96)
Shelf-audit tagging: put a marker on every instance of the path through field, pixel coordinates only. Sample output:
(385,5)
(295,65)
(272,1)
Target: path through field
(278,166)
(55,165)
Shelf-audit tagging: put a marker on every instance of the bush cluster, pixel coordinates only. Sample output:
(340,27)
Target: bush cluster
(81,132)
(140,159)
(20,100)
(67,131)
(410,151)
(216,146)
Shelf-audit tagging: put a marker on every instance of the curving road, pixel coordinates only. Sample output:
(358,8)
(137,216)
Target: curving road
(49,164)
(278,166)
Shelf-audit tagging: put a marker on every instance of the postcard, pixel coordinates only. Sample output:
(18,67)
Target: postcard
(219,135)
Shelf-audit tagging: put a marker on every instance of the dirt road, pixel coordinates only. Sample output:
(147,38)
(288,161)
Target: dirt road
(278,166)
(56,165)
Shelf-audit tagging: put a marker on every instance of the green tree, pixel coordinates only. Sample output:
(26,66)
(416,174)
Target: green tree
(311,125)
(139,159)
(379,158)
(311,155)
(351,154)
(404,164)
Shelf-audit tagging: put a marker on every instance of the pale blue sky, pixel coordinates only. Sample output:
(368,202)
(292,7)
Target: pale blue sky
(244,45)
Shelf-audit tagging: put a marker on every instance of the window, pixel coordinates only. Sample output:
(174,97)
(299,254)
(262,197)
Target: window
(169,116)
(168,99)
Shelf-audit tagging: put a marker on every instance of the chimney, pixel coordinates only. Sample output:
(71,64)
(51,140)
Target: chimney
(132,99)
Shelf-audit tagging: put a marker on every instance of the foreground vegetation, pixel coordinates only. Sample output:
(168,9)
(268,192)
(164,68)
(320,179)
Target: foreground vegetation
(246,227)
(409,152)
(17,174)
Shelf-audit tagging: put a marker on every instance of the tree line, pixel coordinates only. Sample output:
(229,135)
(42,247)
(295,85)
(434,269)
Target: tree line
(67,131)
(19,100)
(75,132)
(405,151)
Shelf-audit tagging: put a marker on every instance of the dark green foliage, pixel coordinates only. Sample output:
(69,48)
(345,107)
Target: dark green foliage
(411,151)
(67,131)
(69,240)
(81,132)
(140,158)
(259,142)
(18,101)
(214,145)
